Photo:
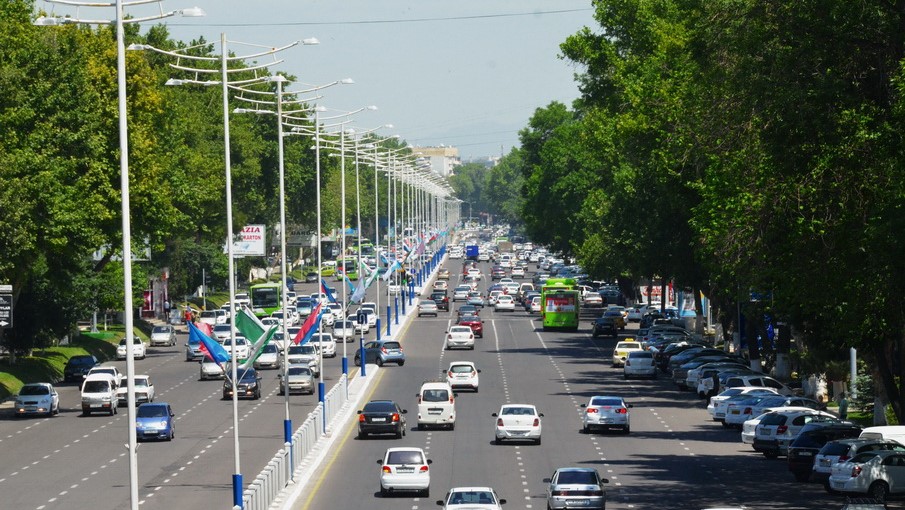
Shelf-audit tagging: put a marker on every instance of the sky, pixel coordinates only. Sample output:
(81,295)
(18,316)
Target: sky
(463,73)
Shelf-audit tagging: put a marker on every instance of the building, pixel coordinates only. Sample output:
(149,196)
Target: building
(442,159)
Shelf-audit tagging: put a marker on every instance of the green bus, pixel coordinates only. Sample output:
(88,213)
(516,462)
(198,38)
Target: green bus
(266,298)
(560,304)
(347,265)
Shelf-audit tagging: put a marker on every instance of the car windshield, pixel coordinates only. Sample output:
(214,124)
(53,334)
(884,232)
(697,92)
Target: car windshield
(469,318)
(774,419)
(81,360)
(299,371)
(577,477)
(96,387)
(405,457)
(270,348)
(37,389)
(379,407)
(641,354)
(606,402)
(160,329)
(440,395)
(155,411)
(250,375)
(861,458)
(302,349)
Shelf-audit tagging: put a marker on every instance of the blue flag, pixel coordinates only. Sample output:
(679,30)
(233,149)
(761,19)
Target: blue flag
(315,326)
(211,347)
(326,290)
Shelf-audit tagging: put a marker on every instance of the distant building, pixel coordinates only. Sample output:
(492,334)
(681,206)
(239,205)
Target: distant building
(442,159)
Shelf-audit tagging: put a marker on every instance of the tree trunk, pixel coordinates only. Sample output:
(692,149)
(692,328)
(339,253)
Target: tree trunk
(882,353)
(783,368)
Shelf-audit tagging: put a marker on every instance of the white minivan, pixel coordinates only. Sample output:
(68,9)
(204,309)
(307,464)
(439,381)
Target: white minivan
(893,432)
(436,405)
(99,394)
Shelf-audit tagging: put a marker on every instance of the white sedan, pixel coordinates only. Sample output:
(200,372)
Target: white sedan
(505,303)
(461,337)
(471,498)
(241,347)
(406,469)
(138,349)
(517,421)
(325,343)
(144,390)
(463,374)
(210,370)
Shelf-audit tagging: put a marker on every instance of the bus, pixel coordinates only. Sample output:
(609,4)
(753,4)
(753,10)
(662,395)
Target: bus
(367,249)
(559,304)
(266,298)
(347,265)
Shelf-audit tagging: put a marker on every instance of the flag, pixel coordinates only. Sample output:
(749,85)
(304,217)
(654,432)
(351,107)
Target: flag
(326,290)
(359,293)
(407,245)
(314,327)
(309,325)
(392,269)
(248,324)
(258,347)
(205,328)
(420,249)
(349,283)
(209,346)
(365,270)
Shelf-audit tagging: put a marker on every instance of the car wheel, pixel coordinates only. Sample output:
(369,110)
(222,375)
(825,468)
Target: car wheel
(112,410)
(379,362)
(771,454)
(537,441)
(452,426)
(878,491)
(384,492)
(828,489)
(475,389)
(420,426)
(426,493)
(399,433)
(584,429)
(497,440)
(593,335)
(362,435)
(802,476)
(725,425)
(626,430)
(357,362)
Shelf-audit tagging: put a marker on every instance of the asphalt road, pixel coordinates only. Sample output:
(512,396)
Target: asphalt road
(74,462)
(674,457)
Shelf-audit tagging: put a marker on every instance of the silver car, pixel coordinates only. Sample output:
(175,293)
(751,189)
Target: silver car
(270,357)
(299,379)
(427,307)
(576,487)
(163,336)
(606,412)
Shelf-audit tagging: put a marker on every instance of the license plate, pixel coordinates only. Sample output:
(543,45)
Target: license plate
(434,411)
(405,470)
(805,454)
(734,411)
(97,405)
(375,420)
(577,502)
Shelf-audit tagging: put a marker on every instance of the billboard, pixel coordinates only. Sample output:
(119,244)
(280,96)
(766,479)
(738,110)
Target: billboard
(250,242)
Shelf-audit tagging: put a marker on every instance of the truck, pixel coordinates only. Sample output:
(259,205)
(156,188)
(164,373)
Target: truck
(504,246)
(472,251)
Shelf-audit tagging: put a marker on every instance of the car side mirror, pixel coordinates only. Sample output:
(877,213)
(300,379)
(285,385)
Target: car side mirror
(583,405)
(479,370)
(172,413)
(502,501)
(631,405)
(429,461)
(380,461)
(494,415)
(547,480)
(541,415)
(440,502)
(604,480)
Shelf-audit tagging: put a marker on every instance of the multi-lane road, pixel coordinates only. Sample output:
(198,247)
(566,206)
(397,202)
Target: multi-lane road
(674,457)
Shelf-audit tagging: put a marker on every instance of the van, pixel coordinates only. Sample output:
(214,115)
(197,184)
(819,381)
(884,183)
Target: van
(436,405)
(890,432)
(99,394)
(758,380)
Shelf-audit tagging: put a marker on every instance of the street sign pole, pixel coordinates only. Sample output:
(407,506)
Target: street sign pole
(6,306)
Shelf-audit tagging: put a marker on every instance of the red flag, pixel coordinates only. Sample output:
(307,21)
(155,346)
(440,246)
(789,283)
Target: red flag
(309,323)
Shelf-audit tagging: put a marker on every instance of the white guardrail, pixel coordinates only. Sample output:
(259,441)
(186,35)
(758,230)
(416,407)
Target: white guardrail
(265,488)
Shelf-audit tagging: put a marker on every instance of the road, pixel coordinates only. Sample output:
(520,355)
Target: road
(674,457)
(71,461)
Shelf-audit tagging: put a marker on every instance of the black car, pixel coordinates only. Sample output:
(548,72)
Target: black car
(77,367)
(249,385)
(381,417)
(604,326)
(442,300)
(810,440)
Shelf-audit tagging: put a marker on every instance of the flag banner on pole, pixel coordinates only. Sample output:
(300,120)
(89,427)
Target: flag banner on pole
(326,290)
(392,269)
(211,347)
(349,283)
(359,293)
(309,323)
(258,347)
(248,324)
(205,328)
(314,327)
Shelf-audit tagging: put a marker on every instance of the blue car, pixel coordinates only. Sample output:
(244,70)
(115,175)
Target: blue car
(155,421)
(380,352)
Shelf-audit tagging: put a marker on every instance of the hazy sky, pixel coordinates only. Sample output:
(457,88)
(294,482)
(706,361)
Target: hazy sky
(465,73)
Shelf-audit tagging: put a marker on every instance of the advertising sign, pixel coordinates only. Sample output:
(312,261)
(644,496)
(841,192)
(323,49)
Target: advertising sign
(560,304)
(250,242)
(6,306)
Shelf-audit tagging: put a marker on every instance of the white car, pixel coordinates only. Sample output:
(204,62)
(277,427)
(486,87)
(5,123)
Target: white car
(639,364)
(460,293)
(517,272)
(394,288)
(471,498)
(505,302)
(405,469)
(270,321)
(876,474)
(635,313)
(343,331)
(622,350)
(749,428)
(368,305)
(138,349)
(475,273)
(210,370)
(778,429)
(535,305)
(337,310)
(461,337)
(243,299)
(493,296)
(163,336)
(37,398)
(144,390)
(222,332)
(270,357)
(463,374)
(738,413)
(241,347)
(325,343)
(715,406)
(517,421)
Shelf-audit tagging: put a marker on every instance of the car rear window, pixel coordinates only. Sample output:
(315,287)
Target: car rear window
(577,477)
(810,440)
(640,354)
(461,369)
(774,419)
(405,457)
(379,407)
(606,402)
(435,395)
(391,345)
(835,449)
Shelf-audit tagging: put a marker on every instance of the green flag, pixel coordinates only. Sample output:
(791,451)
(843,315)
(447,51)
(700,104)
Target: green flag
(248,324)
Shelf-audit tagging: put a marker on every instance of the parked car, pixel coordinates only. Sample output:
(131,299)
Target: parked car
(778,429)
(471,498)
(622,350)
(877,474)
(717,408)
(381,417)
(639,364)
(576,487)
(155,420)
(739,412)
(163,336)
(814,436)
(841,450)
(463,374)
(37,398)
(606,412)
(517,422)
(758,380)
(298,379)
(380,352)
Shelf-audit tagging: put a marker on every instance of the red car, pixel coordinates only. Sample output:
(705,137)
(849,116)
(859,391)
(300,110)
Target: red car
(474,322)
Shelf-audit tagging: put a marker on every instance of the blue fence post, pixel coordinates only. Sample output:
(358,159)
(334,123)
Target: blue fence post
(396,308)
(378,326)
(389,319)
(403,290)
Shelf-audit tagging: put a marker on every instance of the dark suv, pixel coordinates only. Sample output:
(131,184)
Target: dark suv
(442,300)
(604,326)
(77,367)
(810,440)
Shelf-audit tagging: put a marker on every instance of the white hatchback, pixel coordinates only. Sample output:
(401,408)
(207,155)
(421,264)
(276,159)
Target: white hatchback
(460,337)
(463,374)
(639,364)
(324,343)
(505,303)
(405,469)
(518,421)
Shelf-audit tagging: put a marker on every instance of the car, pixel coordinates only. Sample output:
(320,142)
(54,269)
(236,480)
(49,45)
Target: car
(311,277)
(517,272)
(840,450)
(471,498)
(505,302)
(475,299)
(576,487)
(739,412)
(155,420)
(77,366)
(467,310)
(492,297)
(242,347)
(443,274)
(592,300)
(324,343)
(717,408)
(210,369)
(441,285)
(460,337)
(474,322)
(814,436)
(758,380)
(617,316)
(463,374)
(361,321)
(139,351)
(622,350)
(405,469)
(99,393)
(394,288)
(427,307)
(380,352)
(460,293)
(298,379)
(779,428)
(304,354)
(222,332)
(337,311)
(144,390)
(211,317)
(474,272)
(635,313)
(441,299)
(606,412)
(517,422)
(242,299)
(436,405)
(876,474)
(343,331)
(37,398)
(497,273)
(639,364)
(269,357)
(248,385)
(381,417)
(163,336)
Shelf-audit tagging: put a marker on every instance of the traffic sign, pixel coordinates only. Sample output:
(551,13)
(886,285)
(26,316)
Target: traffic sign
(6,310)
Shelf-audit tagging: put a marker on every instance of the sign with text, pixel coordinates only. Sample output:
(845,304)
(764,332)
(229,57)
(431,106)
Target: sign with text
(6,310)
(250,241)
